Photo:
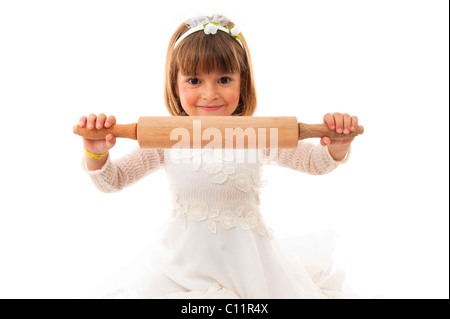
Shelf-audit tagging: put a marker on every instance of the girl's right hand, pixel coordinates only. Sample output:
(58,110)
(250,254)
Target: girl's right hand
(98,122)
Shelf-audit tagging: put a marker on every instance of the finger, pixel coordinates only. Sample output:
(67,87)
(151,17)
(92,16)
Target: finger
(354,123)
(82,121)
(110,141)
(339,122)
(347,123)
(91,121)
(329,120)
(324,141)
(110,121)
(100,121)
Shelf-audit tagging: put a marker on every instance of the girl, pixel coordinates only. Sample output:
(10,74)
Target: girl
(217,244)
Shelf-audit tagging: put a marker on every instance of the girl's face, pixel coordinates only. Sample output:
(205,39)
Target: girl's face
(208,94)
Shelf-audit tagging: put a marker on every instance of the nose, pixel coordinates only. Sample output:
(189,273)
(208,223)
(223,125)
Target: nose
(209,92)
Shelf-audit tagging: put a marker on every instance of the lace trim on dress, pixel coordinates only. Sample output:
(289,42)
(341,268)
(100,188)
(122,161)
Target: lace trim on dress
(201,212)
(241,181)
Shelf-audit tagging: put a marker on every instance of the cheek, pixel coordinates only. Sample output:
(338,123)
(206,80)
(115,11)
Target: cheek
(234,95)
(187,97)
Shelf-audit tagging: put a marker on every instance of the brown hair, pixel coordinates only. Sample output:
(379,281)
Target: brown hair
(201,53)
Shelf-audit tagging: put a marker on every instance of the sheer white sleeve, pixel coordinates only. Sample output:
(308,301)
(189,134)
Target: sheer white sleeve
(115,175)
(306,157)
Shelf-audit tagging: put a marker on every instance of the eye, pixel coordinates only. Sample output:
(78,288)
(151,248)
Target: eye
(193,81)
(224,80)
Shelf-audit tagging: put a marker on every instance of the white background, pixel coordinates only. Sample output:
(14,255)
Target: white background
(384,61)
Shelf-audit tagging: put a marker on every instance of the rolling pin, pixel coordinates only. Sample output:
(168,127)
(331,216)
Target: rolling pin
(223,131)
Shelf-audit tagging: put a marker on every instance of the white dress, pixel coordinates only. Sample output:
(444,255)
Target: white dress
(217,244)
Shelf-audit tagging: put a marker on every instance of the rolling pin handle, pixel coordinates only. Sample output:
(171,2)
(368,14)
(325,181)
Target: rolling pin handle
(118,130)
(320,130)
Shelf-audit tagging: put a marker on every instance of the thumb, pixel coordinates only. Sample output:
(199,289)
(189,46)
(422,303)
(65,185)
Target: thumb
(325,141)
(110,141)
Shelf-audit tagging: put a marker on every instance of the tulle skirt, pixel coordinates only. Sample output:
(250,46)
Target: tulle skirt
(299,267)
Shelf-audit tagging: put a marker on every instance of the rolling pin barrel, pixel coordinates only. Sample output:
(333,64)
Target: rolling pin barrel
(222,131)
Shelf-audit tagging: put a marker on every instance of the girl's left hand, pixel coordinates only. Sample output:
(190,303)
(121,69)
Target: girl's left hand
(342,123)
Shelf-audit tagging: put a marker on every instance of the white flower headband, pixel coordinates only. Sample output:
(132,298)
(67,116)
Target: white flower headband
(210,26)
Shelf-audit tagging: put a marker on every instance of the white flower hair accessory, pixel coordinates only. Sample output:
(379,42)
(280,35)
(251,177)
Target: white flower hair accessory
(210,25)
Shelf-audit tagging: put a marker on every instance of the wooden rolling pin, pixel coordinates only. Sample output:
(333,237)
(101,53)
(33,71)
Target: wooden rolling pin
(223,131)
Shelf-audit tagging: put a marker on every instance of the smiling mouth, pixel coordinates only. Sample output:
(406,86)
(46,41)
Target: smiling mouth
(210,108)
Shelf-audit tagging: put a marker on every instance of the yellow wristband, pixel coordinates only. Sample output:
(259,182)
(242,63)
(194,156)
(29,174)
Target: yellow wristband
(95,156)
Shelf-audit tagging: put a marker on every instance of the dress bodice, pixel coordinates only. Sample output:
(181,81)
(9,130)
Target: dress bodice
(220,187)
